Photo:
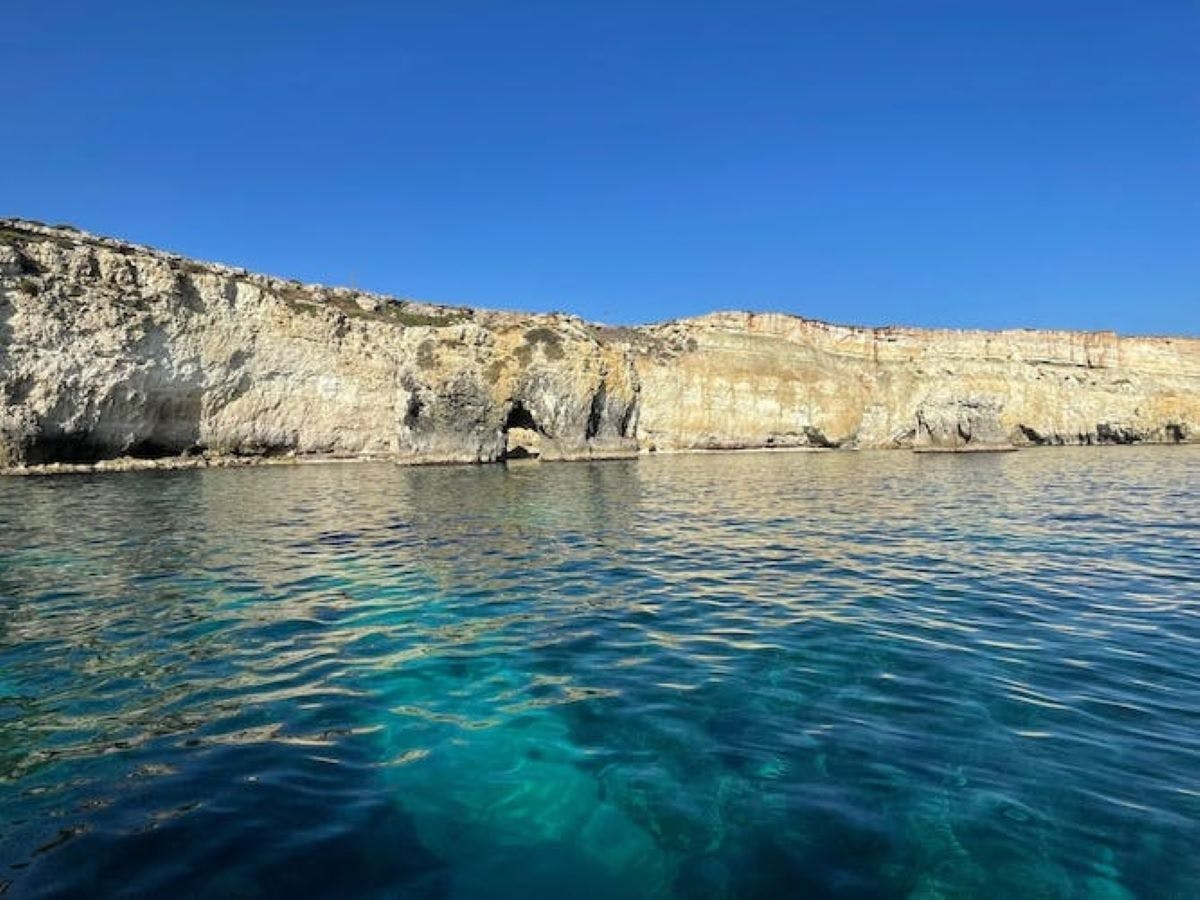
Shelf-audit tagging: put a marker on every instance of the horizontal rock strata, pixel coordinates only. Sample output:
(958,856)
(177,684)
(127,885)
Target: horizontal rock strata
(747,380)
(114,351)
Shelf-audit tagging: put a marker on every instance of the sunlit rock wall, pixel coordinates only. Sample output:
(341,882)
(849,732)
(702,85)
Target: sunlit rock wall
(747,380)
(109,349)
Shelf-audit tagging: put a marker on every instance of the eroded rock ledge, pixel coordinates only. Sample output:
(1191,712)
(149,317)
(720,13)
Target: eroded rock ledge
(112,351)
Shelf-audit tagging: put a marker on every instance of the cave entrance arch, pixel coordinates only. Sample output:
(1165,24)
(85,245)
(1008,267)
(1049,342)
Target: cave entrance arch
(522,434)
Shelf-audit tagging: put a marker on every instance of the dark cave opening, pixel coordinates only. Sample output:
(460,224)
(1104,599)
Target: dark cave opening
(153,449)
(596,413)
(63,448)
(522,434)
(413,412)
(520,417)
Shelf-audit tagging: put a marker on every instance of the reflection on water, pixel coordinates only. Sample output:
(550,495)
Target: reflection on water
(710,676)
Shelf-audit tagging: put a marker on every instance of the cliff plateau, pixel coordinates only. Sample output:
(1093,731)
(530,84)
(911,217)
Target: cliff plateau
(111,350)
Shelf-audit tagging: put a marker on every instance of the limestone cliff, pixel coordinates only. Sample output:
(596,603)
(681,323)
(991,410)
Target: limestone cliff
(739,379)
(109,350)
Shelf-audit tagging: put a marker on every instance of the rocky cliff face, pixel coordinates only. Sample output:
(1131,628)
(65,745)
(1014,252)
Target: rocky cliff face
(107,349)
(113,350)
(740,379)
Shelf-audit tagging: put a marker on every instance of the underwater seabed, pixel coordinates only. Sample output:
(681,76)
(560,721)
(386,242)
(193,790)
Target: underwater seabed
(861,675)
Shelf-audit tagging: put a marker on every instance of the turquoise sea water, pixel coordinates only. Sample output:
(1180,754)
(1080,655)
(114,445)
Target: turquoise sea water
(736,675)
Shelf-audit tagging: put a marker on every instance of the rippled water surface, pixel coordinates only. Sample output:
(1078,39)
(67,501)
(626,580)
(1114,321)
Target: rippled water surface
(863,675)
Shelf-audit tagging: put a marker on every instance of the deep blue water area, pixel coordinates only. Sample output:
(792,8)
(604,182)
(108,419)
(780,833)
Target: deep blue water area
(729,675)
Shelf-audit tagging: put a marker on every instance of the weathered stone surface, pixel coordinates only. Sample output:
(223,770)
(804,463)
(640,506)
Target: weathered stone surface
(110,350)
(119,353)
(747,380)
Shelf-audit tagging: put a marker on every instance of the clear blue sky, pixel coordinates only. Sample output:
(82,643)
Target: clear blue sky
(964,163)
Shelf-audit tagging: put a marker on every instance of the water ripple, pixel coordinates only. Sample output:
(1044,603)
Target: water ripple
(735,675)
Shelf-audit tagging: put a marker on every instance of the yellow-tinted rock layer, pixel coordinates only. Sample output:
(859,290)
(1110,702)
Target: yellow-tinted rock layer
(111,351)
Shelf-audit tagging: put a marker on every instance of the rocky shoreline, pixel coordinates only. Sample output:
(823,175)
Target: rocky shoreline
(175,463)
(185,463)
(115,356)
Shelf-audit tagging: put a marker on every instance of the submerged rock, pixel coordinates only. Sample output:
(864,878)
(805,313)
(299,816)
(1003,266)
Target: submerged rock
(111,351)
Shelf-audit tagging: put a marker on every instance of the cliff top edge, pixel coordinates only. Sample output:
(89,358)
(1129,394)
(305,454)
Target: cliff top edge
(18,228)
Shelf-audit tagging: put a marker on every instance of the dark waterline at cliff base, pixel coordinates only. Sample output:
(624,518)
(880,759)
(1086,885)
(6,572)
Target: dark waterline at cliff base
(864,675)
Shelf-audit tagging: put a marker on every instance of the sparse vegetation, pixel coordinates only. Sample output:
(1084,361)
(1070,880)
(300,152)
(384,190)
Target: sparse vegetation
(542,335)
(313,302)
(549,339)
(652,342)
(413,320)
(10,234)
(426,357)
(494,371)
(28,287)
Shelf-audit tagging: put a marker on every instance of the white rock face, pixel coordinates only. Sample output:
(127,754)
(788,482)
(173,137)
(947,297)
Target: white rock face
(746,380)
(110,350)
